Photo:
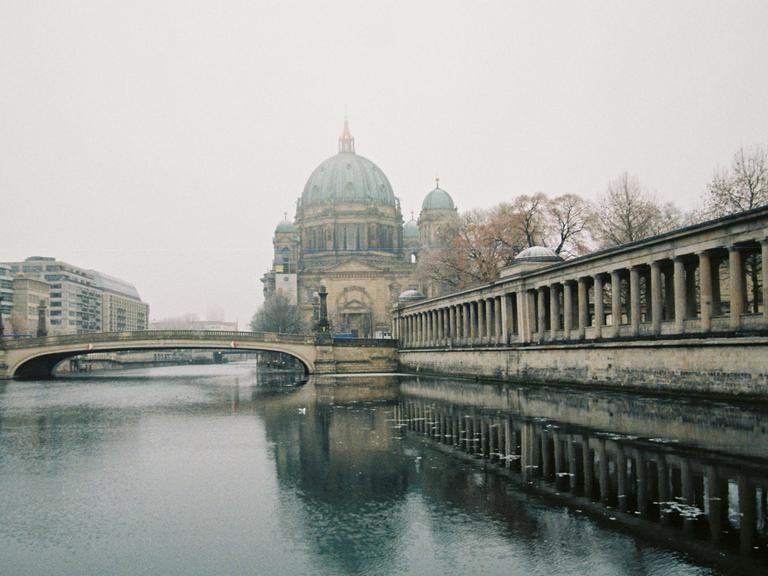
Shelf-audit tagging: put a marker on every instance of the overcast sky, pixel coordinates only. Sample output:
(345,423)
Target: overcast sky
(161,141)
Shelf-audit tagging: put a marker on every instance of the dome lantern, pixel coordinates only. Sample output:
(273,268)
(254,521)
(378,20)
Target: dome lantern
(346,140)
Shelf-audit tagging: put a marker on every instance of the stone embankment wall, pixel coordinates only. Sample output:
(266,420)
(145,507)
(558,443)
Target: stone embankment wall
(722,366)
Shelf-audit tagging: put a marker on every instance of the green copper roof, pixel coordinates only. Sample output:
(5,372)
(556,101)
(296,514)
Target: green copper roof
(348,178)
(411,229)
(438,199)
(285,226)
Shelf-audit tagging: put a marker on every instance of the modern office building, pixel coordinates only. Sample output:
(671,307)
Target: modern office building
(6,294)
(83,300)
(121,305)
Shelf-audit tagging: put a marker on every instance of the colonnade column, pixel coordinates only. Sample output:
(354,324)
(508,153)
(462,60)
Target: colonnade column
(480,320)
(599,315)
(452,324)
(488,334)
(583,308)
(634,299)
(506,318)
(615,302)
(736,286)
(542,314)
(465,323)
(705,291)
(567,310)
(680,304)
(554,311)
(764,264)
(523,326)
(498,317)
(656,302)
(472,323)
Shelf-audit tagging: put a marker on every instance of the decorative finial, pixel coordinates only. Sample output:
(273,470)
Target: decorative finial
(411,214)
(346,140)
(437,181)
(285,215)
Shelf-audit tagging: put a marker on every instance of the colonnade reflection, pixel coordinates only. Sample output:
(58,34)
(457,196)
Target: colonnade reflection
(703,495)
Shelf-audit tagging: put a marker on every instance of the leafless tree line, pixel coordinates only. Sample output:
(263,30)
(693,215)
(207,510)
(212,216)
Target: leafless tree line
(473,247)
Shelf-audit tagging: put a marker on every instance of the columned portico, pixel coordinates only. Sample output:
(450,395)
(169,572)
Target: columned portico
(710,279)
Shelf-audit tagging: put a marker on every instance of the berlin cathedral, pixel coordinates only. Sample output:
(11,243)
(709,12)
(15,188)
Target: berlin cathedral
(348,235)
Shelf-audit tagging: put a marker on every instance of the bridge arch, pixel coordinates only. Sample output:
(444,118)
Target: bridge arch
(38,358)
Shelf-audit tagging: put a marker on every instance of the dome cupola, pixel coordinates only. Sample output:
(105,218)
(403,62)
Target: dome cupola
(285,226)
(411,229)
(530,259)
(538,254)
(347,178)
(438,199)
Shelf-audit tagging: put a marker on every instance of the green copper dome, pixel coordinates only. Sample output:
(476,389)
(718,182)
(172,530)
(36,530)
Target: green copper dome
(348,178)
(411,229)
(438,199)
(285,226)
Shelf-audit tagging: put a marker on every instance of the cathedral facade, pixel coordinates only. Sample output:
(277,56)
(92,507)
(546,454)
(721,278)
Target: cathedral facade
(348,235)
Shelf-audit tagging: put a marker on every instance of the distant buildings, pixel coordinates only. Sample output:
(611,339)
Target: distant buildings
(28,295)
(78,300)
(192,323)
(6,290)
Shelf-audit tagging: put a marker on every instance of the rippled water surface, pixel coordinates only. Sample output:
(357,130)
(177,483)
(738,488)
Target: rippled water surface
(223,470)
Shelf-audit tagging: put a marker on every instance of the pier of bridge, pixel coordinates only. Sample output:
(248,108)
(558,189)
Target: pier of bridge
(684,311)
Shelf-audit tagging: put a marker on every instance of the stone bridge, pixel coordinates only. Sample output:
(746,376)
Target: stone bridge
(686,310)
(38,357)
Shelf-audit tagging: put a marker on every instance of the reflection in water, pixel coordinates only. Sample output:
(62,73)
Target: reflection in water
(228,470)
(703,494)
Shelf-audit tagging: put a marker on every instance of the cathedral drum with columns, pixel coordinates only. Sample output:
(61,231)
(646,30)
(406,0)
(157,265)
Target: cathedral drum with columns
(348,235)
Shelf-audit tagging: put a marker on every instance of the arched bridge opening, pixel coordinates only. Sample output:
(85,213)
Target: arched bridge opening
(44,366)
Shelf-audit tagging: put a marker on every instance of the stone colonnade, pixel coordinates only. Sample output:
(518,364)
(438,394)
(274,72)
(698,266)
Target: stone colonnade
(695,289)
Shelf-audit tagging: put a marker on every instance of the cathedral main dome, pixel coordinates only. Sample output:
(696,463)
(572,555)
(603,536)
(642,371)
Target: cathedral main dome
(347,178)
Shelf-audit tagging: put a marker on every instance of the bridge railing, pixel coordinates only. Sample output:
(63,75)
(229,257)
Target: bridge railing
(99,337)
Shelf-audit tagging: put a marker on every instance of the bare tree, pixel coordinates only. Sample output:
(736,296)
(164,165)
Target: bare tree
(277,314)
(742,187)
(627,212)
(571,220)
(467,253)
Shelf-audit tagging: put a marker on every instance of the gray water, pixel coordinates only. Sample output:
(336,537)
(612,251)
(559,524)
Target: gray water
(222,470)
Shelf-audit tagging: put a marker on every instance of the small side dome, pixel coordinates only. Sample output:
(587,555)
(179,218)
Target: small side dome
(438,199)
(285,226)
(411,229)
(538,254)
(411,295)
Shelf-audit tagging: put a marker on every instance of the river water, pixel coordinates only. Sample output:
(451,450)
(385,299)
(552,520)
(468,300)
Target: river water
(229,470)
